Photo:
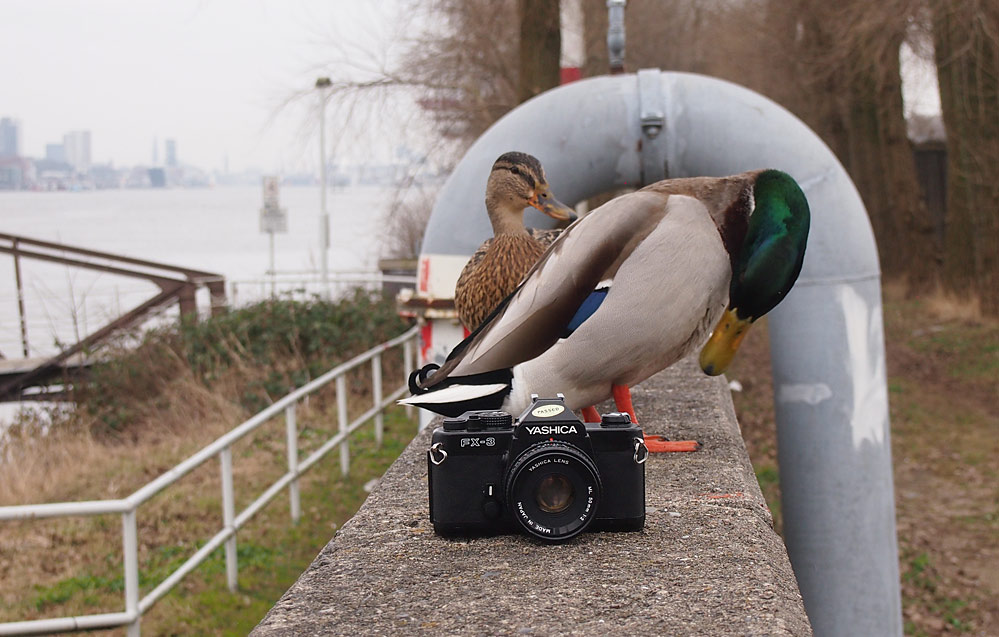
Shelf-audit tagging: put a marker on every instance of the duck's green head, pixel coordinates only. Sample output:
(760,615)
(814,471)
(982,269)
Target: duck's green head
(765,267)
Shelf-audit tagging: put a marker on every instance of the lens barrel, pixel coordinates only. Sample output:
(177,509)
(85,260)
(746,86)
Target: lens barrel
(553,490)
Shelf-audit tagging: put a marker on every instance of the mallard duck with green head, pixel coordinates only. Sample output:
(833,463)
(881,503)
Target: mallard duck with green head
(516,181)
(630,289)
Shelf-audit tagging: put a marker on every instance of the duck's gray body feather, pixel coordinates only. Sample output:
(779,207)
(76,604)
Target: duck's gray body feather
(668,273)
(655,319)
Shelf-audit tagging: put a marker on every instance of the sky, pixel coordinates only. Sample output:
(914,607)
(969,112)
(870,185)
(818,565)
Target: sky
(216,76)
(211,74)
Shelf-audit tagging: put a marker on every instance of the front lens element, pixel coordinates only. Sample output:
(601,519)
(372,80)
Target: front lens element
(553,490)
(555,493)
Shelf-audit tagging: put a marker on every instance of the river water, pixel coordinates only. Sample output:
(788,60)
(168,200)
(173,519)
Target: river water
(215,229)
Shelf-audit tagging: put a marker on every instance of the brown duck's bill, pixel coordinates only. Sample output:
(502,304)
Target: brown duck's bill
(720,349)
(546,203)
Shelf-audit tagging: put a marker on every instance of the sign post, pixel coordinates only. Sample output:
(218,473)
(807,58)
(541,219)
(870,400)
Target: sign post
(273,219)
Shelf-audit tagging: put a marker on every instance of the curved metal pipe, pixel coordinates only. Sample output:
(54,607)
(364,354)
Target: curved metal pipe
(827,337)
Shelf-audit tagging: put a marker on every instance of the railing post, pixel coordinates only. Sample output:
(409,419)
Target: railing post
(20,299)
(376,382)
(291,429)
(188,303)
(341,410)
(407,369)
(130,546)
(229,518)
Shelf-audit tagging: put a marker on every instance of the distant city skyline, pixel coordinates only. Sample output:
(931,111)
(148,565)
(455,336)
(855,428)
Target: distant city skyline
(69,165)
(211,75)
(74,148)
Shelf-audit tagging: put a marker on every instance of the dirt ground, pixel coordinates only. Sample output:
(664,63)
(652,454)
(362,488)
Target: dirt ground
(943,376)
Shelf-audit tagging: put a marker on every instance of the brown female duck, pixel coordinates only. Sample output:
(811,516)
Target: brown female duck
(516,181)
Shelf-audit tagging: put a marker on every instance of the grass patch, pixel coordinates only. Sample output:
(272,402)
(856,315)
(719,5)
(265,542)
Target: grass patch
(272,552)
(951,613)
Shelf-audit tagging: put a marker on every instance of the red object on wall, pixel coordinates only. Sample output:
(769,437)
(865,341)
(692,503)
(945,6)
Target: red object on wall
(426,341)
(424,274)
(569,74)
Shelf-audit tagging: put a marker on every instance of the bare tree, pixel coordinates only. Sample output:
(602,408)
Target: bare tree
(668,34)
(966,37)
(540,46)
(864,63)
(406,222)
(466,66)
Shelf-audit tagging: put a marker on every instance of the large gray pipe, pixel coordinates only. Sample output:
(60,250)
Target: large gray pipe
(827,338)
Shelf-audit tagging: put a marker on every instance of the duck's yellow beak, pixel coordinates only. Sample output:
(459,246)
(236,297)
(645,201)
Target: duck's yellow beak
(724,342)
(546,203)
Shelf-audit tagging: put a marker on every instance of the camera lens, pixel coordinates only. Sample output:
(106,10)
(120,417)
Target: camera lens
(555,493)
(553,490)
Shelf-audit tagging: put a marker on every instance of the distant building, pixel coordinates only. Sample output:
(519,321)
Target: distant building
(76,145)
(10,137)
(157,178)
(53,175)
(16,173)
(170,150)
(137,177)
(106,176)
(55,152)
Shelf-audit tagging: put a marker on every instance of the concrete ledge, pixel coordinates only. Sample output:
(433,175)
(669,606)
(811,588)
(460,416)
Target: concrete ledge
(707,563)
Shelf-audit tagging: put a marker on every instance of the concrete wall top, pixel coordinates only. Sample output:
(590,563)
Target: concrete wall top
(707,563)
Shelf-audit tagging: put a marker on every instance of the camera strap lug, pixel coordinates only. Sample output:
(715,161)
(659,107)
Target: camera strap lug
(641,451)
(436,447)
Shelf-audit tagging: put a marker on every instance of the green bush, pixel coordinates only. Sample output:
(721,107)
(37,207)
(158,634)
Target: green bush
(268,347)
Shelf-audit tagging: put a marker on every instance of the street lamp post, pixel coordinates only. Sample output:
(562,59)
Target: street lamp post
(323,84)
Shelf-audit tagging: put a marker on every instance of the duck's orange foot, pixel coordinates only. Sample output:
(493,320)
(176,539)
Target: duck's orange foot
(659,444)
(622,400)
(590,414)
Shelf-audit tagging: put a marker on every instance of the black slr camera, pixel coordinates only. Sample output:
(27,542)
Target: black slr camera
(549,475)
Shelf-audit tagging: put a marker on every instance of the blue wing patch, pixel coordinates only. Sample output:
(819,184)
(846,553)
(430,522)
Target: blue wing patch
(586,310)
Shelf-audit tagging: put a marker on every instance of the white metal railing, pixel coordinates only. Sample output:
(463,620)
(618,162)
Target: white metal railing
(222,447)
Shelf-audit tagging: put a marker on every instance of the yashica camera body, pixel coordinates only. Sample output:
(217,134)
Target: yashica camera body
(548,475)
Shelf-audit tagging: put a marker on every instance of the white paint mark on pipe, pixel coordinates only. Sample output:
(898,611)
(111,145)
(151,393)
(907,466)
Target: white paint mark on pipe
(808,393)
(870,384)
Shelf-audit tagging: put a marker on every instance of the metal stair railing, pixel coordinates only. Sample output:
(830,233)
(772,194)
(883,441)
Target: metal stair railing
(165,276)
(135,605)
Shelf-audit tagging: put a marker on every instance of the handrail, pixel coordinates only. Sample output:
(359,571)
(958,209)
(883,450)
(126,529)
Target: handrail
(172,290)
(190,273)
(221,447)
